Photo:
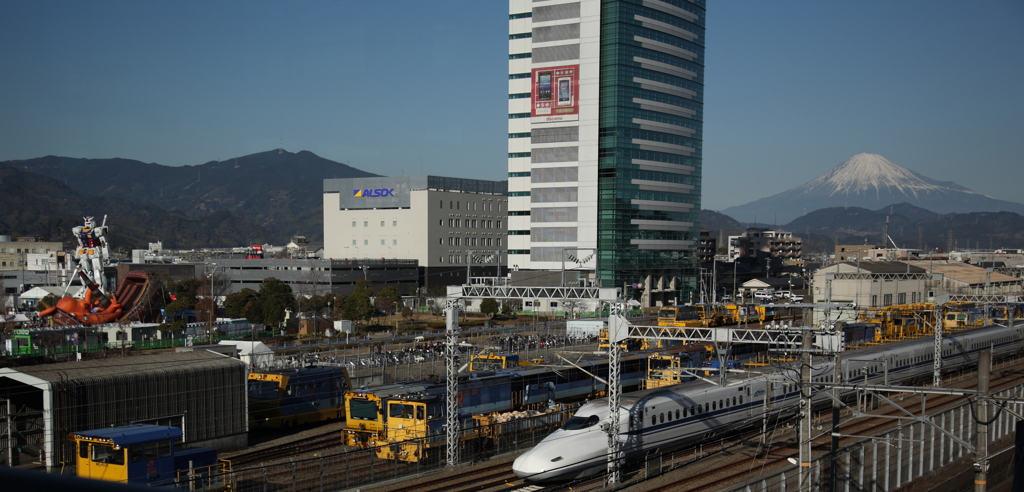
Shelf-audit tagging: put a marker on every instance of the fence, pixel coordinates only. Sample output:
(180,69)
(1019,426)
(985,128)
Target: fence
(900,456)
(362,467)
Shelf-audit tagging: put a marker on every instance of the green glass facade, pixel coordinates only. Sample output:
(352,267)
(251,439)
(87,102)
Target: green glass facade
(651,113)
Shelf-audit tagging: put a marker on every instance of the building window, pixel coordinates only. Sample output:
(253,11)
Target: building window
(474,220)
(458,241)
(513,76)
(366,242)
(442,203)
(394,242)
(353,223)
(518,154)
(498,224)
(366,223)
(488,241)
(472,241)
(382,242)
(887,300)
(519,56)
(353,242)
(440,259)
(394,223)
(474,208)
(440,222)
(498,240)
(874,301)
(456,205)
(521,35)
(901,298)
(450,204)
(519,95)
(441,240)
(382,223)
(451,222)
(513,116)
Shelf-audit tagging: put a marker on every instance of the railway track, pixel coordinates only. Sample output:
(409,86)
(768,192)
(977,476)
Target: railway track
(289,450)
(776,460)
(734,460)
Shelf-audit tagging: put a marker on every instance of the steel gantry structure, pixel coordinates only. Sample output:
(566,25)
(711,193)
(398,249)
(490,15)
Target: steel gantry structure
(781,337)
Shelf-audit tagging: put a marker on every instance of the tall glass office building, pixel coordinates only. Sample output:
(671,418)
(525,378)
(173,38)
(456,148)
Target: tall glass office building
(604,153)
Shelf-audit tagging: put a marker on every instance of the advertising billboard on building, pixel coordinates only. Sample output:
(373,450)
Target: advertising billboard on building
(555,94)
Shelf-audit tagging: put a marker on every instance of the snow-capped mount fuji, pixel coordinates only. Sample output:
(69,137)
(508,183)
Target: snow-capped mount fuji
(869,181)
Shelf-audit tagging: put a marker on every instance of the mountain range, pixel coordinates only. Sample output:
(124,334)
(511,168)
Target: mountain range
(270,196)
(36,205)
(870,181)
(277,193)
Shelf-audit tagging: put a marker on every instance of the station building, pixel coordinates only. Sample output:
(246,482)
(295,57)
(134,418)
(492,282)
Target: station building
(446,224)
(605,130)
(201,392)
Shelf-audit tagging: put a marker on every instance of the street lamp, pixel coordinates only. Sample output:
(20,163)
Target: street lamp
(213,302)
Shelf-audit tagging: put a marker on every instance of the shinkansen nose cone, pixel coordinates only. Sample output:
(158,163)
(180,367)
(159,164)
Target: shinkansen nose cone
(563,458)
(538,465)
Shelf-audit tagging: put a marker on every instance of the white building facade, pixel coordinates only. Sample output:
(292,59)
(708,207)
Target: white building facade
(444,223)
(605,125)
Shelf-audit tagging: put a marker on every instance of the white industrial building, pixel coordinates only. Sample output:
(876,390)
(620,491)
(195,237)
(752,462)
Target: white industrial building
(444,223)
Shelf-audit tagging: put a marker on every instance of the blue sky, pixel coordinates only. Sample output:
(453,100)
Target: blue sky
(793,88)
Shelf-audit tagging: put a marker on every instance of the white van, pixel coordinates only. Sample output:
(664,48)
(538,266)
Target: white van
(764,295)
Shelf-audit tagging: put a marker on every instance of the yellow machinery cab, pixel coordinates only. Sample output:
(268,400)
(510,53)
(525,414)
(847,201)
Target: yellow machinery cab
(493,362)
(148,454)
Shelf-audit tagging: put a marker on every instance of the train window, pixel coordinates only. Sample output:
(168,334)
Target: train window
(135,453)
(734,401)
(83,450)
(419,413)
(700,409)
(663,418)
(105,453)
(164,448)
(677,414)
(685,413)
(401,411)
(152,452)
(578,422)
(654,420)
(741,399)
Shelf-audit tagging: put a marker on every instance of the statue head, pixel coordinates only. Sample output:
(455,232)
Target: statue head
(89,222)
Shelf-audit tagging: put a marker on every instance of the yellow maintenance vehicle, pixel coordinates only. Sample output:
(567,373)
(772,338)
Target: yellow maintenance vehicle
(695,316)
(494,362)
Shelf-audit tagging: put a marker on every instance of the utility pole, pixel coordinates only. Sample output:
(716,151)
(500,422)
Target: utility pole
(452,308)
(806,431)
(981,422)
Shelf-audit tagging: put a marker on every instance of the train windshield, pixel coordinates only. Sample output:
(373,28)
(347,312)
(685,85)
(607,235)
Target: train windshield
(487,365)
(264,390)
(577,422)
(362,409)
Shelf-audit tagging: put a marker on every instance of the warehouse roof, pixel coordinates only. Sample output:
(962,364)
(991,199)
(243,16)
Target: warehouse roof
(966,273)
(117,366)
(885,267)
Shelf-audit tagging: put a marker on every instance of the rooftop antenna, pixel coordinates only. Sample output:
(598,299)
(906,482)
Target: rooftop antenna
(280,146)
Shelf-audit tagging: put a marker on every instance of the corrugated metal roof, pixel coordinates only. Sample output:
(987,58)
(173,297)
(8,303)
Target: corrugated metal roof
(94,368)
(966,273)
(885,267)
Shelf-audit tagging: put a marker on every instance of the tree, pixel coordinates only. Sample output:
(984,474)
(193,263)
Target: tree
(489,306)
(236,303)
(407,313)
(357,306)
(275,296)
(47,302)
(388,299)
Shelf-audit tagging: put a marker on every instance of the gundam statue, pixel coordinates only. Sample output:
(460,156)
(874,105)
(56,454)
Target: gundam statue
(92,253)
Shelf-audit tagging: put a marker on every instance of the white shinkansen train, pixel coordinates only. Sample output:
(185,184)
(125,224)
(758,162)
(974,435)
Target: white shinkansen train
(689,412)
